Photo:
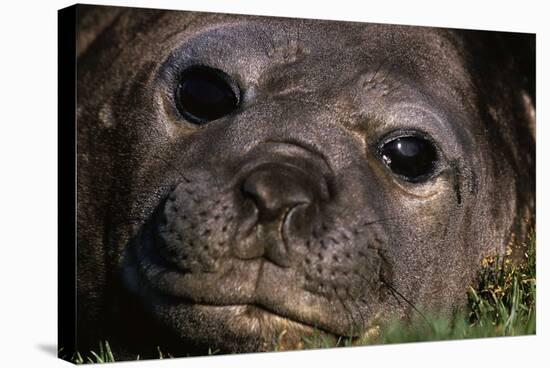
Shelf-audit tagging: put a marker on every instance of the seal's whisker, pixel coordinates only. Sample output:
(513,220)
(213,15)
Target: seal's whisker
(349,314)
(169,164)
(377,70)
(264,45)
(355,327)
(358,308)
(411,304)
(297,37)
(395,296)
(385,220)
(388,72)
(373,222)
(269,49)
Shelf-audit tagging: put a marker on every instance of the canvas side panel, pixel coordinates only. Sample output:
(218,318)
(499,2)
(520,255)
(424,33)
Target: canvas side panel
(66,182)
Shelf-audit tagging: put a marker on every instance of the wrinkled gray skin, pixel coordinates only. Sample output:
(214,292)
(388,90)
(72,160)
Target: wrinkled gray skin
(282,215)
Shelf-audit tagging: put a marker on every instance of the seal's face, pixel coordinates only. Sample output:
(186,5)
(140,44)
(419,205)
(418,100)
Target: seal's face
(284,175)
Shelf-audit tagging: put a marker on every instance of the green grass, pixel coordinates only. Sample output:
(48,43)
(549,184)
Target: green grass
(501,304)
(104,355)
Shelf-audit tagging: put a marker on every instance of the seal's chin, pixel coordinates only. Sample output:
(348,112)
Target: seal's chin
(263,327)
(242,328)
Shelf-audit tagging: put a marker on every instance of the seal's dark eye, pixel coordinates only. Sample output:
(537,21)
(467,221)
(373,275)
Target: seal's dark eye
(205,94)
(413,158)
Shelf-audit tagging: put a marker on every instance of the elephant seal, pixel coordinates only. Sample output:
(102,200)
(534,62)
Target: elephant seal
(243,176)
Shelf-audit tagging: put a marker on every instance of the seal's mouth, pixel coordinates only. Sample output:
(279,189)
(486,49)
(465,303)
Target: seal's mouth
(271,322)
(269,330)
(277,331)
(259,297)
(296,311)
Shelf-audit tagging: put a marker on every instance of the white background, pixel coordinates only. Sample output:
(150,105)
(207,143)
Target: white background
(28,180)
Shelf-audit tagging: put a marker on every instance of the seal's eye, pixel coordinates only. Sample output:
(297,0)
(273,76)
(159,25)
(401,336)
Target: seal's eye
(411,157)
(205,94)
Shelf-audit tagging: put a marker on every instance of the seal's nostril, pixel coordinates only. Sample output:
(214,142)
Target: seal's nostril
(277,188)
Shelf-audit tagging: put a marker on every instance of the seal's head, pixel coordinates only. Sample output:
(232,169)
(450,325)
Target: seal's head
(243,176)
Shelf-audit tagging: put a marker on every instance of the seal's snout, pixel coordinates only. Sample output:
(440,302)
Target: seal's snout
(278,195)
(277,188)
